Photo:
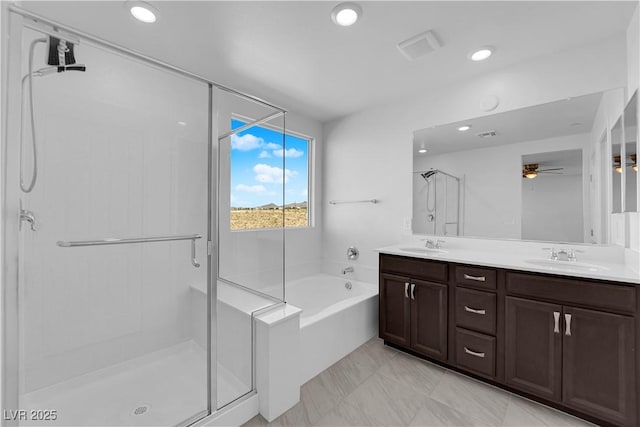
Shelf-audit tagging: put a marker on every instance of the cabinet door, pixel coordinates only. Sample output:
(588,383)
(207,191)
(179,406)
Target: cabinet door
(598,364)
(394,309)
(429,319)
(533,347)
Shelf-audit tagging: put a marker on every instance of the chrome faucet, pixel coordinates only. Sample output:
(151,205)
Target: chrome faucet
(562,254)
(347,270)
(433,244)
(28,216)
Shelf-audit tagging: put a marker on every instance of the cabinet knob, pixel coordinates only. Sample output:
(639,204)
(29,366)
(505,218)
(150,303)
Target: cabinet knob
(406,290)
(413,291)
(567,324)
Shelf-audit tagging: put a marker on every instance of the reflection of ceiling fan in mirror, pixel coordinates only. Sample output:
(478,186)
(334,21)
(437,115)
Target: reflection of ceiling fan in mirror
(531,170)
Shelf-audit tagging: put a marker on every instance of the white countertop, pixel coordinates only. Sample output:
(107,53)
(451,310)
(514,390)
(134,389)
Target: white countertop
(604,267)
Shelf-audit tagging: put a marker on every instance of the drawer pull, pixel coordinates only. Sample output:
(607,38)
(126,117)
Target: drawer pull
(473,353)
(476,278)
(406,290)
(556,322)
(474,311)
(567,323)
(413,291)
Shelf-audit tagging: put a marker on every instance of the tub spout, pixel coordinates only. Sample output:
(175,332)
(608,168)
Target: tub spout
(347,270)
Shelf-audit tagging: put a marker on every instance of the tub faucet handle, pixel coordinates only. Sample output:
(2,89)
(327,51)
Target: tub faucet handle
(347,270)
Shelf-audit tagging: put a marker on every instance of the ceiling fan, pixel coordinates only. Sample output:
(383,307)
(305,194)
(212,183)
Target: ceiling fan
(531,170)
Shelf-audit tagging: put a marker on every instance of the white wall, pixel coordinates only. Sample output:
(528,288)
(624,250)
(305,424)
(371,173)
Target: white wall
(552,208)
(369,155)
(4,38)
(492,184)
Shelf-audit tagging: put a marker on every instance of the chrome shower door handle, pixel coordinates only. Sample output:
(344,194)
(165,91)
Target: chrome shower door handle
(567,324)
(413,291)
(194,261)
(406,290)
(556,322)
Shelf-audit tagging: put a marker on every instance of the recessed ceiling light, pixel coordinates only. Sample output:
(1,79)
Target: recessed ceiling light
(464,128)
(181,123)
(422,150)
(346,14)
(481,54)
(142,11)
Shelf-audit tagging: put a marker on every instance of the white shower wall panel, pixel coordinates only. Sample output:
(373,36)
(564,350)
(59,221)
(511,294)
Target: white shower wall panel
(122,153)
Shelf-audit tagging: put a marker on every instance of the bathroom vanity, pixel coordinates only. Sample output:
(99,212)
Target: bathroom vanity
(553,336)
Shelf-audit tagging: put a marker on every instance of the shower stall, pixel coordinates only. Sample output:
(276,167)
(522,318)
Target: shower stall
(436,203)
(127,300)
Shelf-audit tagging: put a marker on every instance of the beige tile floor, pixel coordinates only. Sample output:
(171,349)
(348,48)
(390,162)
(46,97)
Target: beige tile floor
(379,386)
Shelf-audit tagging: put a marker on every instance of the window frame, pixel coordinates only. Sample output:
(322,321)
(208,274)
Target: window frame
(311,146)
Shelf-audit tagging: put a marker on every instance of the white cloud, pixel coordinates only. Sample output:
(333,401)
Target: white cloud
(272,146)
(251,188)
(272,174)
(246,142)
(291,152)
(264,155)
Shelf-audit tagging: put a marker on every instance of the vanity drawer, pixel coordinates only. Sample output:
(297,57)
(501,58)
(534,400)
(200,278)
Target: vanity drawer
(476,277)
(476,310)
(580,292)
(415,268)
(476,352)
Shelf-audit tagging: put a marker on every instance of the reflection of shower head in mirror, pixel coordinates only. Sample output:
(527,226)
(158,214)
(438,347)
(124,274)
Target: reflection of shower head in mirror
(428,174)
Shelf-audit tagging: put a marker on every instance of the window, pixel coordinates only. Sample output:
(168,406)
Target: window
(268,180)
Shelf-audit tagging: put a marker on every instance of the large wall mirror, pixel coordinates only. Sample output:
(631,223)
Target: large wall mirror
(631,155)
(522,174)
(616,169)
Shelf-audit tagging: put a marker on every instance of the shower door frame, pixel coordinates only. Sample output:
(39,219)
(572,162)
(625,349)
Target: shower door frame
(18,19)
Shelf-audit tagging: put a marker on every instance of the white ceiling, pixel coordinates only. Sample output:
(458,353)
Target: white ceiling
(290,52)
(555,119)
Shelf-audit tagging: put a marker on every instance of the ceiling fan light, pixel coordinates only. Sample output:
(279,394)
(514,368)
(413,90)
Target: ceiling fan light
(618,168)
(530,174)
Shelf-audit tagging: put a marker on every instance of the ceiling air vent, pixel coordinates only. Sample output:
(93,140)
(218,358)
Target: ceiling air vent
(418,46)
(487,134)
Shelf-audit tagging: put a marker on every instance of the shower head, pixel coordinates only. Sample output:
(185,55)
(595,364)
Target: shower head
(428,174)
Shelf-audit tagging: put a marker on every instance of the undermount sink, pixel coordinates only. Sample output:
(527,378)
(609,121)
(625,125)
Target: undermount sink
(566,265)
(432,251)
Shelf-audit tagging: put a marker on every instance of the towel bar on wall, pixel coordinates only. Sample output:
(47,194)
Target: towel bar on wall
(116,241)
(339,202)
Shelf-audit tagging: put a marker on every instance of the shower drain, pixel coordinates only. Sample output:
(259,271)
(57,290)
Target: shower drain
(141,410)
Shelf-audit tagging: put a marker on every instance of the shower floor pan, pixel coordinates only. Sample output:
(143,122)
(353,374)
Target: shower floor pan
(160,389)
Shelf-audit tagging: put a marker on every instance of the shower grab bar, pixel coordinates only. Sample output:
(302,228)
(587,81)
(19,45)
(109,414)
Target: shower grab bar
(115,241)
(338,202)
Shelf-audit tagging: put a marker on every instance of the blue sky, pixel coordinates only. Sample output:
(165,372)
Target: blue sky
(260,163)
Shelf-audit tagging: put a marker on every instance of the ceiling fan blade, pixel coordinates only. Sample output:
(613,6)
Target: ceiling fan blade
(552,169)
(551,173)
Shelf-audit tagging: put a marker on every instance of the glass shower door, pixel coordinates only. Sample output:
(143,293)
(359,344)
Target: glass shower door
(114,332)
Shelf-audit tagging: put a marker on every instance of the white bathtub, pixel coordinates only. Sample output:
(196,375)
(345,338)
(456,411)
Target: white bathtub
(335,320)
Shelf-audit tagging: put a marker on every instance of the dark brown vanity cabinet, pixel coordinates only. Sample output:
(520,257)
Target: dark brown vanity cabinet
(568,341)
(581,357)
(413,307)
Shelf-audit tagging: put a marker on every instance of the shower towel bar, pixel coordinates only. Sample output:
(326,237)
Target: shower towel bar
(114,241)
(338,202)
